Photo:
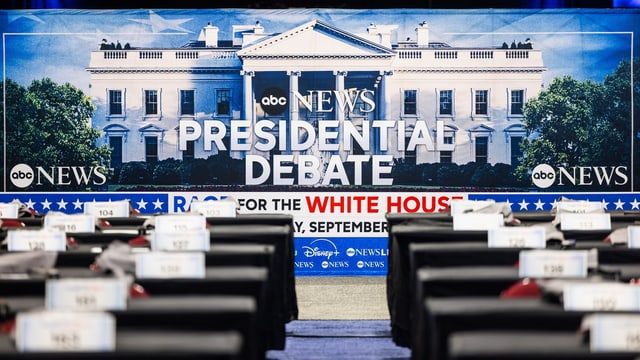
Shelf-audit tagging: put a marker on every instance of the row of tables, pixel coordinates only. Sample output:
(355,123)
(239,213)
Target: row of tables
(446,291)
(238,310)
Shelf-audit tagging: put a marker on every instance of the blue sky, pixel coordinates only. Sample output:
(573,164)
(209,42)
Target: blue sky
(584,43)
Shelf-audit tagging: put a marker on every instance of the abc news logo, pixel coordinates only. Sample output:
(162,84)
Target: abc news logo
(23,176)
(544,176)
(273,101)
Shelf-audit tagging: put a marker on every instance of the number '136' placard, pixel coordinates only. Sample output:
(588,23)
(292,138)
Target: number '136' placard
(541,263)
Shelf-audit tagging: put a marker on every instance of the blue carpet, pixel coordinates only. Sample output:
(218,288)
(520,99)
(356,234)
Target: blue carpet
(339,339)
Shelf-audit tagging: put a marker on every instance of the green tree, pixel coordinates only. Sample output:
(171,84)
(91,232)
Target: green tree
(579,123)
(49,125)
(619,90)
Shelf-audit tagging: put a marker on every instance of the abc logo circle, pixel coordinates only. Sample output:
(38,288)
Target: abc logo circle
(543,176)
(273,101)
(360,264)
(21,175)
(351,252)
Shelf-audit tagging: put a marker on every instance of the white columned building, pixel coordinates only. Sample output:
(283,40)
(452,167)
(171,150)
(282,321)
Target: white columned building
(474,96)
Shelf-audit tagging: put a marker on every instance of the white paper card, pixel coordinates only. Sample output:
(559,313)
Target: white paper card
(90,294)
(579,207)
(107,209)
(615,332)
(36,240)
(517,237)
(170,265)
(220,208)
(71,223)
(180,222)
(477,221)
(8,210)
(601,297)
(190,240)
(65,331)
(553,263)
(461,206)
(633,236)
(591,221)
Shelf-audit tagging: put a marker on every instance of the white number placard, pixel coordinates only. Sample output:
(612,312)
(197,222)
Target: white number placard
(189,240)
(517,237)
(36,240)
(71,223)
(65,331)
(579,207)
(212,208)
(8,210)
(591,221)
(477,221)
(615,332)
(170,265)
(88,294)
(633,236)
(180,222)
(601,297)
(461,206)
(107,209)
(553,263)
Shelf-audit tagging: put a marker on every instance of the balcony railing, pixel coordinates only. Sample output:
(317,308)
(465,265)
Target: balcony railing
(163,58)
(468,58)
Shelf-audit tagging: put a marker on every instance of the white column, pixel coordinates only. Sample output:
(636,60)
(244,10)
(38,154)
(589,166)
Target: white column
(248,103)
(294,112)
(383,95)
(381,107)
(340,75)
(339,113)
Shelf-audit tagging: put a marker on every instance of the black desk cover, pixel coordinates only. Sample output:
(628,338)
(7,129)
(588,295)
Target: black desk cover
(453,282)
(405,229)
(526,345)
(445,316)
(150,344)
(174,313)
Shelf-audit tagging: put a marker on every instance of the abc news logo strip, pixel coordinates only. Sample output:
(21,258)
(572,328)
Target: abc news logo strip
(341,256)
(545,176)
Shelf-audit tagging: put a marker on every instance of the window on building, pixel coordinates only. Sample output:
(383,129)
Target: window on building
(446,102)
(276,148)
(409,154)
(360,108)
(482,149)
(517,102)
(356,148)
(446,157)
(151,102)
(481,102)
(115,102)
(410,102)
(223,101)
(227,145)
(115,143)
(187,106)
(516,152)
(188,154)
(151,149)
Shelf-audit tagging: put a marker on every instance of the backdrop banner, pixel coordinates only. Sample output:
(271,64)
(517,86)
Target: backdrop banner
(337,116)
